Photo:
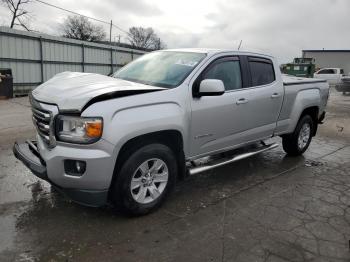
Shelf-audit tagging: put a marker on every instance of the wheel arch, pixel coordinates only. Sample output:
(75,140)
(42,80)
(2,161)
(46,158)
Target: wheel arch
(312,111)
(171,138)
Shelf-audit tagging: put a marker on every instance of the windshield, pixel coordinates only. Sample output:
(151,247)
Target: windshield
(162,68)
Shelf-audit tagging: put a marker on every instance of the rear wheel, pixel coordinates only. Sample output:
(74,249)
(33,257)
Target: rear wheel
(296,143)
(145,179)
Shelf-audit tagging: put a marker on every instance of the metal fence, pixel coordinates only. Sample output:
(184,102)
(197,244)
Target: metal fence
(34,58)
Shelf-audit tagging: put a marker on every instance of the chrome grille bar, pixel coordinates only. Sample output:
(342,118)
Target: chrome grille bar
(45,116)
(43,121)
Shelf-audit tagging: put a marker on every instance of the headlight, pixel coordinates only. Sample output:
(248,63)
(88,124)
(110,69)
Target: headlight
(80,130)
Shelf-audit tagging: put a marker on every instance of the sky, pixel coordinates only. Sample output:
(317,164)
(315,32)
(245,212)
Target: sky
(281,28)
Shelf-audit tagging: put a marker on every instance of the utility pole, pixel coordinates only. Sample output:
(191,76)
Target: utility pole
(110,33)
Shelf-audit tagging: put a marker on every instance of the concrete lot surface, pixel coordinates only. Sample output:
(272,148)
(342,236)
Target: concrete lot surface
(266,208)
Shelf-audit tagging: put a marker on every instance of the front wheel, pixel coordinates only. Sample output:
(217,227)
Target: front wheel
(145,179)
(296,143)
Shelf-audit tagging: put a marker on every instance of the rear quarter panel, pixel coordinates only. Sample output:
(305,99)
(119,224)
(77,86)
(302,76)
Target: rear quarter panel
(297,98)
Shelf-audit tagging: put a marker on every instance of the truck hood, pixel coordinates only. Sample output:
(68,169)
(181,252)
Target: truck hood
(72,91)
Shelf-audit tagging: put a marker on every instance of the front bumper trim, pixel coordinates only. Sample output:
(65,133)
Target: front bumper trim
(28,154)
(29,157)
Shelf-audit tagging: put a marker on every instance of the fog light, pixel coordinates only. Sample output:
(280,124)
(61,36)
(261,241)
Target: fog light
(80,166)
(74,167)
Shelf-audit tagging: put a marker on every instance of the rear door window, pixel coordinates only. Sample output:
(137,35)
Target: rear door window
(262,71)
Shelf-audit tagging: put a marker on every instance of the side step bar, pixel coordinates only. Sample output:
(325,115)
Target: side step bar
(198,169)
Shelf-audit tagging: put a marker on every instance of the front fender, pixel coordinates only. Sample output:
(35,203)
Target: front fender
(135,121)
(128,118)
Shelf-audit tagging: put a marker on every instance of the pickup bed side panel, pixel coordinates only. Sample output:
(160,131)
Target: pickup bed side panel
(297,98)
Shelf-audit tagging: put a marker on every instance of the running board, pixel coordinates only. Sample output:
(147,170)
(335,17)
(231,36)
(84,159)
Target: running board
(198,169)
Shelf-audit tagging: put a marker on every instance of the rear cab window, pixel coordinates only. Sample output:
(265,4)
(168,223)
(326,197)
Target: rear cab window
(327,71)
(261,70)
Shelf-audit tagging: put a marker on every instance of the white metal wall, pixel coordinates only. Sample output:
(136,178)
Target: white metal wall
(35,58)
(330,58)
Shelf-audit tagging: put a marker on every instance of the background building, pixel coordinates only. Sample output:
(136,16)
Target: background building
(330,58)
(35,58)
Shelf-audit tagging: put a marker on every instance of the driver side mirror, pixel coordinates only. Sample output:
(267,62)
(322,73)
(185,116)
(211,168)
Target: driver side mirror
(211,87)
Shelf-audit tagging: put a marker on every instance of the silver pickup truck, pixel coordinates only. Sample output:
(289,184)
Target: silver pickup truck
(128,137)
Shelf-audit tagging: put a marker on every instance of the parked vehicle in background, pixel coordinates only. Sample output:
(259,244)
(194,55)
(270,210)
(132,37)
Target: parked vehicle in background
(129,137)
(332,75)
(344,85)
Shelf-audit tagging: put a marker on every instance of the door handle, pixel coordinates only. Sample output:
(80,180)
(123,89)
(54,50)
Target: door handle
(275,95)
(242,101)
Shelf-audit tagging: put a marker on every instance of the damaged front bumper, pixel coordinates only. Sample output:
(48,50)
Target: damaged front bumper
(29,155)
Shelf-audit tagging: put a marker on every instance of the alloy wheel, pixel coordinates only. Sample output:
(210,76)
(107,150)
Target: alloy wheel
(149,181)
(304,136)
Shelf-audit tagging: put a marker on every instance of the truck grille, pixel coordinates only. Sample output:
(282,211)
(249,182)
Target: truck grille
(43,121)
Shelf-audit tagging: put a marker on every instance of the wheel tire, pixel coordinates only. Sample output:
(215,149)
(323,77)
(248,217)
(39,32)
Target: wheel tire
(290,142)
(123,196)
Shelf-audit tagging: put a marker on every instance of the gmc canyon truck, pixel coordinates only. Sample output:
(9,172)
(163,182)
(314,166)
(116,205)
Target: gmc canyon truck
(128,137)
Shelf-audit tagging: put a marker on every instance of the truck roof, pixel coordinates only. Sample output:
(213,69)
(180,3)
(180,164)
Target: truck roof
(213,51)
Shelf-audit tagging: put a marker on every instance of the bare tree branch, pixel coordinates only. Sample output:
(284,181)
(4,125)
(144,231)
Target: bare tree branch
(23,24)
(22,14)
(17,10)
